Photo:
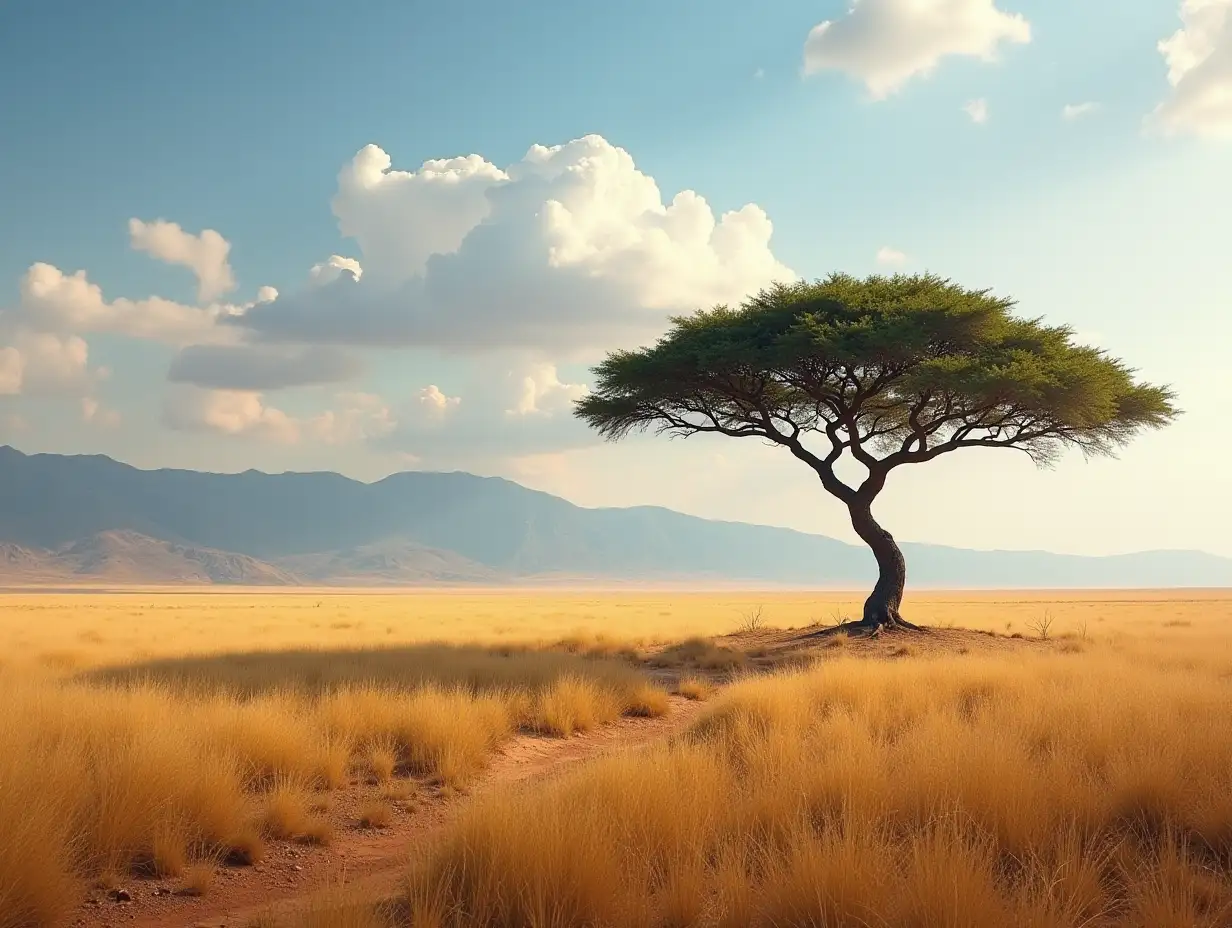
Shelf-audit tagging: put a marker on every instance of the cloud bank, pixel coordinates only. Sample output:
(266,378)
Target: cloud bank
(1199,60)
(886,43)
(502,273)
(570,249)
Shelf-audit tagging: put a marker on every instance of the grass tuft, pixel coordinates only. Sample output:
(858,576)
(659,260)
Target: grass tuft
(375,815)
(572,705)
(198,879)
(696,688)
(286,809)
(647,701)
(316,830)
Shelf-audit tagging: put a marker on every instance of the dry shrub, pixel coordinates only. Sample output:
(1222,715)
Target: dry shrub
(286,809)
(599,646)
(703,654)
(646,701)
(698,689)
(430,730)
(374,815)
(339,907)
(273,737)
(336,755)
(383,760)
(574,704)
(959,792)
(168,852)
(722,659)
(316,830)
(198,879)
(245,847)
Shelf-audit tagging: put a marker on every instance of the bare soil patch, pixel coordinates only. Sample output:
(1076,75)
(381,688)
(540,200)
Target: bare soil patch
(725,657)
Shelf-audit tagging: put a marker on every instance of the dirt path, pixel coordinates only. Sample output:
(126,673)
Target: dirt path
(370,860)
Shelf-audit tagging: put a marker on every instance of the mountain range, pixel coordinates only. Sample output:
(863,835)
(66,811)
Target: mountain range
(88,518)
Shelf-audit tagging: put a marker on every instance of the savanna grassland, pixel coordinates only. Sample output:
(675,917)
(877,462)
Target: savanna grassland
(1050,759)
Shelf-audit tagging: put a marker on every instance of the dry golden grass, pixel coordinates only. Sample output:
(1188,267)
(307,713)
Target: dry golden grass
(154,767)
(1058,790)
(375,815)
(698,653)
(647,701)
(316,830)
(132,736)
(341,907)
(399,790)
(72,631)
(287,809)
(198,879)
(573,704)
(695,688)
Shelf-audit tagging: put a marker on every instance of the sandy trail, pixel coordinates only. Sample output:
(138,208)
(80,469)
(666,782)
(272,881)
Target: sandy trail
(372,861)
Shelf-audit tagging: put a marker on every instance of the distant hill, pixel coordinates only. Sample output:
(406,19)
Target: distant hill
(418,527)
(123,557)
(392,562)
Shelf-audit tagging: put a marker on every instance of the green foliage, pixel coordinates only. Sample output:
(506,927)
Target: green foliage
(891,370)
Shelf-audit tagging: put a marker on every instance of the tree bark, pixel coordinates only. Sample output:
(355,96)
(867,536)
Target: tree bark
(881,609)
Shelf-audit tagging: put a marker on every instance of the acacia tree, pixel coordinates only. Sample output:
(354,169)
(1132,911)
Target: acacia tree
(884,371)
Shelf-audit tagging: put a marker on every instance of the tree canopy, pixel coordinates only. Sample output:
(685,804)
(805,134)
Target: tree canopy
(889,370)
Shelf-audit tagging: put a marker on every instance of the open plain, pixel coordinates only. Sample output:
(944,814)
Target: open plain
(614,758)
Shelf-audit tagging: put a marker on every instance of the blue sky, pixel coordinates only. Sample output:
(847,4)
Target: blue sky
(239,118)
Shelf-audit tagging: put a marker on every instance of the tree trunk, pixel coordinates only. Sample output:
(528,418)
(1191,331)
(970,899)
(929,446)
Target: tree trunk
(881,609)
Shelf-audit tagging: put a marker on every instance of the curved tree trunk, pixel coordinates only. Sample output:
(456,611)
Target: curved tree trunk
(881,609)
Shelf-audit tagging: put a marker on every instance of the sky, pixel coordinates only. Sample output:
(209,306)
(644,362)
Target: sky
(397,235)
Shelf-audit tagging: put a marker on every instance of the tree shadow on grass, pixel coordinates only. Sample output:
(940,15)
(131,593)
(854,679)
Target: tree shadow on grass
(313,671)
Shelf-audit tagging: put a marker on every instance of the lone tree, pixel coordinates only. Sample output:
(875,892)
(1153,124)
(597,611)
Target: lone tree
(887,371)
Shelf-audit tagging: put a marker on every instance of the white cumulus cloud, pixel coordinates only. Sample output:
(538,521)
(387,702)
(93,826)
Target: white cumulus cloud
(433,405)
(1071,112)
(228,412)
(1199,59)
(888,255)
(204,254)
(570,248)
(53,301)
(246,414)
(542,393)
(46,364)
(379,208)
(327,272)
(359,417)
(885,43)
(977,110)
